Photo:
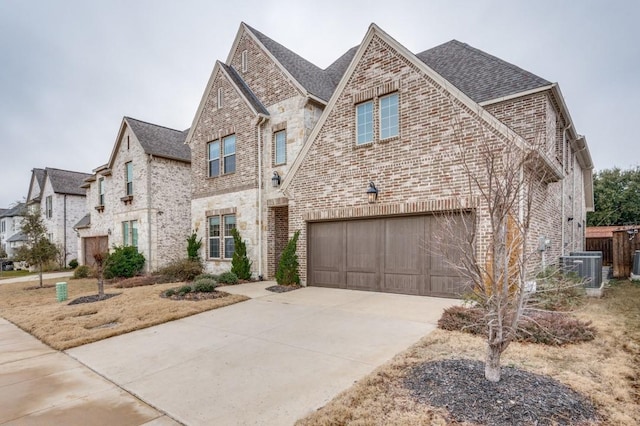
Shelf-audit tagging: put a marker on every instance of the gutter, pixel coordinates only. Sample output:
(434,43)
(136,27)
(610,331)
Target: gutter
(261,120)
(149,161)
(64,238)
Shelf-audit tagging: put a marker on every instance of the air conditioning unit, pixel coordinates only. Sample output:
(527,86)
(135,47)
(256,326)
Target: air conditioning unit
(586,253)
(587,267)
(635,274)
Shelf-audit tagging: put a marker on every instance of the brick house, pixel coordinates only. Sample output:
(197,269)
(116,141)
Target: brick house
(61,199)
(379,114)
(140,197)
(11,236)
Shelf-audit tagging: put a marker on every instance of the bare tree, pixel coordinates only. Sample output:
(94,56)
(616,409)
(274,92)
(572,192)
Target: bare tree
(494,251)
(97,249)
(38,250)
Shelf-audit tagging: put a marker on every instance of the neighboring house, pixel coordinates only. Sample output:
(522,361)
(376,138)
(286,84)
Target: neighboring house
(10,229)
(61,199)
(141,196)
(381,114)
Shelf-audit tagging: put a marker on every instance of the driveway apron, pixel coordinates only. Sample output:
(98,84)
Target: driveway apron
(269,360)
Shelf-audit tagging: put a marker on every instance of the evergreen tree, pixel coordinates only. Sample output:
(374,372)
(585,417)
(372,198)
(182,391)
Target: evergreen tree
(288,269)
(240,263)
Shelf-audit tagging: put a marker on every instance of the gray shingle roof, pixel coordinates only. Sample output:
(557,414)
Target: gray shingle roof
(314,79)
(39,177)
(246,91)
(2,211)
(479,75)
(66,182)
(84,222)
(17,210)
(337,69)
(17,237)
(161,141)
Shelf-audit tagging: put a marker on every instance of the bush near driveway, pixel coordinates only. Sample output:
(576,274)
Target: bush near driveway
(123,262)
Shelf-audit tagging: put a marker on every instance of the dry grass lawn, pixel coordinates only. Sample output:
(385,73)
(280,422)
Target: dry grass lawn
(62,326)
(606,370)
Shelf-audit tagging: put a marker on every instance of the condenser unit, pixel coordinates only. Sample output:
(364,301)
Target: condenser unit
(587,267)
(635,274)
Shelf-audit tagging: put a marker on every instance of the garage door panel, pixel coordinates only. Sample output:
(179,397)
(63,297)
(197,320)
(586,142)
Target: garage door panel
(363,281)
(363,246)
(327,254)
(446,286)
(404,284)
(403,239)
(328,278)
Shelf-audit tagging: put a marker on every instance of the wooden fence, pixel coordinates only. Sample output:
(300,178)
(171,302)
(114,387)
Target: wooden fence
(624,244)
(605,245)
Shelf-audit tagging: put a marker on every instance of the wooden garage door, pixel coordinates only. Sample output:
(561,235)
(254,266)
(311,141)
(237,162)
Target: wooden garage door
(395,255)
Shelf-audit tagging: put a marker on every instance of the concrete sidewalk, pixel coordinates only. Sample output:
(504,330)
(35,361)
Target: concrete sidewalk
(45,276)
(41,386)
(270,360)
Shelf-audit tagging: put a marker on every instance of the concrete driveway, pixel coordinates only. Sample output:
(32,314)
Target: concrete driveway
(269,360)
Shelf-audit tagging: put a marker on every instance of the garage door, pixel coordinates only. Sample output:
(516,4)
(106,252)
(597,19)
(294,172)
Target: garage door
(394,254)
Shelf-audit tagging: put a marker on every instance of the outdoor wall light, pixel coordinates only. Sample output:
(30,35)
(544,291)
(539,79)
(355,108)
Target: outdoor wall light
(275,179)
(372,193)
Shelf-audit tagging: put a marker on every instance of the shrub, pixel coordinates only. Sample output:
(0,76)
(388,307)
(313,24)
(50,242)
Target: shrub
(288,273)
(228,278)
(240,263)
(124,262)
(73,263)
(557,291)
(205,285)
(82,271)
(193,246)
(549,328)
(207,276)
(170,292)
(184,290)
(181,270)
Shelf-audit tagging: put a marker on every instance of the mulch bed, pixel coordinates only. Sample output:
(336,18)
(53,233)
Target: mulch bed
(283,288)
(459,386)
(197,295)
(92,298)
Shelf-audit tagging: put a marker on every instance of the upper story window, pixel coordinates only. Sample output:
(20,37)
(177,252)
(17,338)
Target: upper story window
(130,233)
(280,147)
(128,172)
(222,156)
(364,122)
(101,192)
(389,116)
(2,227)
(48,207)
(244,61)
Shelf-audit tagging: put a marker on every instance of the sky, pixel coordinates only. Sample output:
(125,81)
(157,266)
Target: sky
(70,70)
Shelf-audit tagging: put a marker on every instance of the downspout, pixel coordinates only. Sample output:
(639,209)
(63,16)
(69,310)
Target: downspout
(150,160)
(261,120)
(564,164)
(64,238)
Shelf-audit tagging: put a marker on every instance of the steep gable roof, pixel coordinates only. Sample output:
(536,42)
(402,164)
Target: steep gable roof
(85,222)
(337,69)
(480,76)
(66,181)
(445,85)
(160,141)
(312,78)
(244,90)
(17,238)
(17,210)
(35,185)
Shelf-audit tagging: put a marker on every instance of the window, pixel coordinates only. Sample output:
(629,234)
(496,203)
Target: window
(2,227)
(50,237)
(49,207)
(101,192)
(214,237)
(129,177)
(244,61)
(214,158)
(221,235)
(230,154)
(226,150)
(229,225)
(220,97)
(364,120)
(130,233)
(389,116)
(280,147)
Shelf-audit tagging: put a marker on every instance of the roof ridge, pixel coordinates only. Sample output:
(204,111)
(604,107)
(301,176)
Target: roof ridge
(152,124)
(65,170)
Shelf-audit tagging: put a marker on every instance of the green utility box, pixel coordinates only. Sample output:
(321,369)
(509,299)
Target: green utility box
(61,291)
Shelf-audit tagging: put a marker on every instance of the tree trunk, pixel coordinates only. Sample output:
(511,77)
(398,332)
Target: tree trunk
(40,273)
(492,363)
(100,281)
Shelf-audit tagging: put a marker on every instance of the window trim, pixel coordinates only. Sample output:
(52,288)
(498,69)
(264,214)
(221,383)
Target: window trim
(222,236)
(101,191)
(243,60)
(220,97)
(48,209)
(225,156)
(130,233)
(284,147)
(397,115)
(218,158)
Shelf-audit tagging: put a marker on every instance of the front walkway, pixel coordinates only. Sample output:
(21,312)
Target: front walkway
(270,360)
(41,386)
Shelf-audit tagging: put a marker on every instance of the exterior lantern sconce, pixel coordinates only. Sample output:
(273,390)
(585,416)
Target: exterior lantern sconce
(109,231)
(372,193)
(275,179)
